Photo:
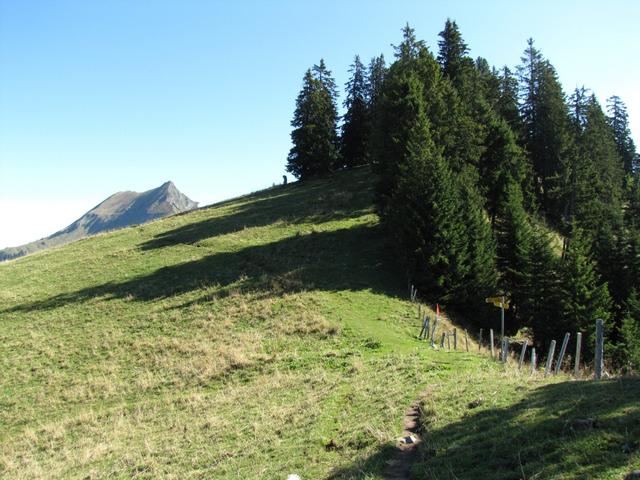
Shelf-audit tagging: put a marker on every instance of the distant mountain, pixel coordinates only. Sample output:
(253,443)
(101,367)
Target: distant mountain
(119,210)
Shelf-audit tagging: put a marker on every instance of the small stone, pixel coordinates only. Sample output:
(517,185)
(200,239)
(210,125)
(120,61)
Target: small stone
(407,440)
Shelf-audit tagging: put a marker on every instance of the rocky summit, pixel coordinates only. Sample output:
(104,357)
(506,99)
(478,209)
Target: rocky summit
(120,210)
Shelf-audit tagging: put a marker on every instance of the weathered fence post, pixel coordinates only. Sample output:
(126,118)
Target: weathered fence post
(522,353)
(552,350)
(433,332)
(534,360)
(424,332)
(599,348)
(466,340)
(505,349)
(480,340)
(563,349)
(455,339)
(491,341)
(576,370)
(442,339)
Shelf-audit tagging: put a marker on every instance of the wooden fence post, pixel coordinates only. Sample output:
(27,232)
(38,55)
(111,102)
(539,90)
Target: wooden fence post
(599,348)
(455,339)
(534,360)
(505,349)
(522,353)
(424,332)
(491,341)
(563,349)
(466,340)
(433,332)
(442,340)
(552,350)
(576,370)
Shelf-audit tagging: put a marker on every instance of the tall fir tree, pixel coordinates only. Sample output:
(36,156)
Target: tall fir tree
(619,121)
(503,161)
(631,331)
(539,297)
(596,193)
(314,135)
(583,297)
(376,74)
(507,104)
(410,80)
(482,256)
(424,215)
(453,56)
(356,126)
(546,128)
(460,113)
(514,241)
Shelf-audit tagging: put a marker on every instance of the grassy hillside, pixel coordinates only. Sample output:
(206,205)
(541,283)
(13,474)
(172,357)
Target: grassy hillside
(259,337)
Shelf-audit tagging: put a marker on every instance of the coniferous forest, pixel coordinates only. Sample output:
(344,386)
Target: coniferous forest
(490,180)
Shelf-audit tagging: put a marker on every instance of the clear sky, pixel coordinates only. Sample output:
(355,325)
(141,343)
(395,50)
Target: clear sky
(102,96)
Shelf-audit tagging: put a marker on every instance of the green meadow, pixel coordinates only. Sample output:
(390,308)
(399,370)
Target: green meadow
(268,335)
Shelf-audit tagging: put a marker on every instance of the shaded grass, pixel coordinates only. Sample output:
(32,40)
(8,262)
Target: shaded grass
(516,427)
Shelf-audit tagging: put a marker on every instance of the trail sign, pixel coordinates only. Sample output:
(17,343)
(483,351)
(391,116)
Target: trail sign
(500,302)
(503,304)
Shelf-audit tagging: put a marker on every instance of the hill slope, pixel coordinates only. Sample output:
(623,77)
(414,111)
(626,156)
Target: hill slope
(119,210)
(256,338)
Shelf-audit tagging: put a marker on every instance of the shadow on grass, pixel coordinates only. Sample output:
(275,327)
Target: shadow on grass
(340,196)
(346,259)
(547,435)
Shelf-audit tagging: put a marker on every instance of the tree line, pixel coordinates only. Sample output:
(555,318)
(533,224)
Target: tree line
(490,180)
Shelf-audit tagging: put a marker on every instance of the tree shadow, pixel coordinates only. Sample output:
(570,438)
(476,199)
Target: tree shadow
(334,198)
(568,430)
(345,259)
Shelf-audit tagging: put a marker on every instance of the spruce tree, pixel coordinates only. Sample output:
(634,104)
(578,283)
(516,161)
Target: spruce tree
(514,242)
(424,215)
(539,297)
(503,161)
(375,80)
(452,55)
(356,125)
(314,135)
(631,331)
(460,124)
(546,127)
(595,192)
(619,121)
(583,298)
(482,277)
(507,104)
(409,82)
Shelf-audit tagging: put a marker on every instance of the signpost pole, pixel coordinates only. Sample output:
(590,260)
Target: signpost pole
(502,319)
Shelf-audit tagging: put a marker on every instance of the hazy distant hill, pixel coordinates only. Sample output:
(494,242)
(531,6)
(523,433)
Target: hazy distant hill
(119,210)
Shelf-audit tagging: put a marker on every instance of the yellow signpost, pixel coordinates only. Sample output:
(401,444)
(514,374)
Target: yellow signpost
(503,304)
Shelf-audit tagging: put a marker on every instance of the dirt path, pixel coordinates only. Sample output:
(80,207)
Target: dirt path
(399,466)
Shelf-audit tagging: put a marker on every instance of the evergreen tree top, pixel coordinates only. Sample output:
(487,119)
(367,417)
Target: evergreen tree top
(410,48)
(452,49)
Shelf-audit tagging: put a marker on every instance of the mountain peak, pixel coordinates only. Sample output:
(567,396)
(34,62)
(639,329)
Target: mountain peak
(119,210)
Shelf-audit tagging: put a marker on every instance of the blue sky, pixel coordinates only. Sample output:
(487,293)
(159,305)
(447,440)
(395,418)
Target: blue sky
(103,96)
